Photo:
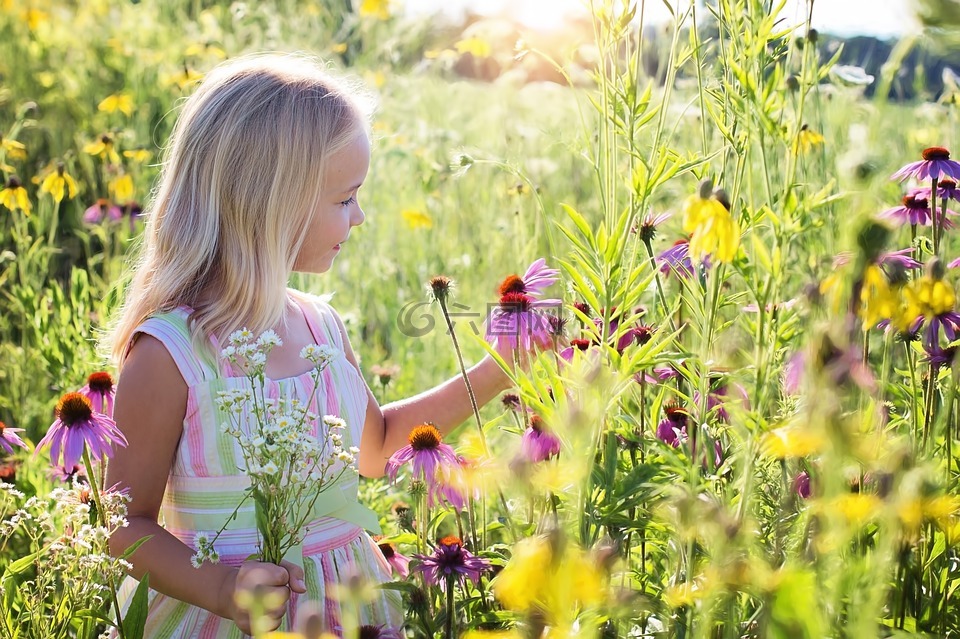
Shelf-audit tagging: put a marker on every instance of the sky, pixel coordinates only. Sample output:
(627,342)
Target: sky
(882,18)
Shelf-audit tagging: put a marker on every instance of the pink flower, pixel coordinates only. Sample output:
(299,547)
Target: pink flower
(450,561)
(9,438)
(914,209)
(539,443)
(400,563)
(801,485)
(575,345)
(102,208)
(77,425)
(427,452)
(936,163)
(66,475)
(99,390)
(534,282)
(519,321)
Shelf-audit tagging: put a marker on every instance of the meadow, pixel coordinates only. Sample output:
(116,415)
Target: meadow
(745,420)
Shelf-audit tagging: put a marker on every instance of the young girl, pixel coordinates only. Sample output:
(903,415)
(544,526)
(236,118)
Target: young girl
(260,179)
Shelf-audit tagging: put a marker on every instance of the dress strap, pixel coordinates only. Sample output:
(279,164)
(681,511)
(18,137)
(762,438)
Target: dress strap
(173,331)
(320,320)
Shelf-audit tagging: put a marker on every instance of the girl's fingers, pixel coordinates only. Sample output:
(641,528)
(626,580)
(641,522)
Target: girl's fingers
(296,576)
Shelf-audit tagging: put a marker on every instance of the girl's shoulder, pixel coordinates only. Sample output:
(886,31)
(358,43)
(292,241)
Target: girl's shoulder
(171,327)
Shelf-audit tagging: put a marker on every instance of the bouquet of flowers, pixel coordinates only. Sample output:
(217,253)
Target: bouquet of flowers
(289,467)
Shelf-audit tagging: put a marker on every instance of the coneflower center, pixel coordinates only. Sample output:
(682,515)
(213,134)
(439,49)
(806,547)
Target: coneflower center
(13,182)
(946,183)
(676,414)
(387,550)
(913,202)
(536,423)
(581,344)
(74,408)
(936,153)
(512,284)
(425,437)
(516,302)
(101,382)
(451,540)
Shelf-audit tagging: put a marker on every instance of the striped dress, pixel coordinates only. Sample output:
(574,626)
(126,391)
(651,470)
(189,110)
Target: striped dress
(206,483)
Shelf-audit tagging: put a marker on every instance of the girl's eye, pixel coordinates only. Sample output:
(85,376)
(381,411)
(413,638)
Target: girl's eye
(349,201)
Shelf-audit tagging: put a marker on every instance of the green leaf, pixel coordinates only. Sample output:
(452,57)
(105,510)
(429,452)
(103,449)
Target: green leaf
(134,546)
(136,617)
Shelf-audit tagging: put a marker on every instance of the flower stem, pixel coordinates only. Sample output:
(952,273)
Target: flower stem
(463,372)
(102,517)
(448,628)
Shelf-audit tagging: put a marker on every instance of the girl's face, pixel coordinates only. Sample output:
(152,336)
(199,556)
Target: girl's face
(339,211)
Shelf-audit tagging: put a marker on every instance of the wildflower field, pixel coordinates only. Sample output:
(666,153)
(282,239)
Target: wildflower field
(742,417)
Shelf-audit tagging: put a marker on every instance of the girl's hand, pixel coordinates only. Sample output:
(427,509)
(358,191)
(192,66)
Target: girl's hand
(270,584)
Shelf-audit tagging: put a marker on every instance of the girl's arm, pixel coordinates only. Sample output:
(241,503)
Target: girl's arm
(385,429)
(150,407)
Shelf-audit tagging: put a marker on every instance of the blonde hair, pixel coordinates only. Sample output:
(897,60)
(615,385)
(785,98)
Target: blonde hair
(241,177)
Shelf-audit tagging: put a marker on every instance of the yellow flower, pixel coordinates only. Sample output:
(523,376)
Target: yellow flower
(117,102)
(714,231)
(198,49)
(14,196)
(138,155)
(475,46)
(103,148)
(791,442)
(379,9)
(806,139)
(183,79)
(878,301)
(339,47)
(14,149)
(58,184)
(857,508)
(34,18)
(122,188)
(683,594)
(926,296)
(535,579)
(417,219)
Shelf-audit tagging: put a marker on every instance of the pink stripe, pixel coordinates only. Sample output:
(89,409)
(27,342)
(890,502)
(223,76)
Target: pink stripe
(195,440)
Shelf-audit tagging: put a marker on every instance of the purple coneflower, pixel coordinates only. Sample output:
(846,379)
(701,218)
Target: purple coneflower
(9,438)
(101,209)
(77,425)
(428,453)
(519,322)
(511,401)
(399,562)
(381,631)
(936,163)
(648,227)
(912,210)
(946,190)
(639,335)
(676,259)
(793,373)
(575,345)
(538,278)
(801,485)
(673,429)
(450,560)
(539,443)
(99,390)
(65,475)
